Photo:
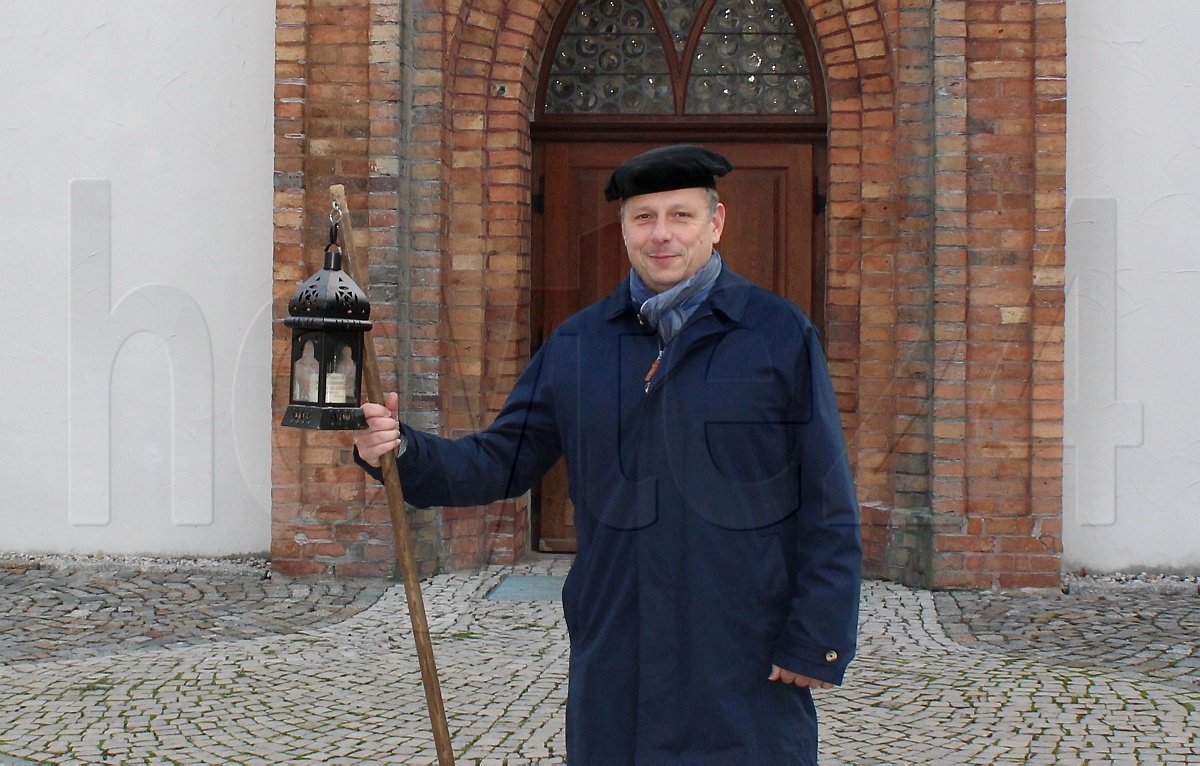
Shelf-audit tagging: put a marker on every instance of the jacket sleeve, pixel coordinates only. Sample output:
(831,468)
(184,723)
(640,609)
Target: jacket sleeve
(820,635)
(504,460)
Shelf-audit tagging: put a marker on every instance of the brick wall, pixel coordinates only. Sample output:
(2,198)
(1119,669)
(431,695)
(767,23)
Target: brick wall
(340,118)
(945,263)
(1000,80)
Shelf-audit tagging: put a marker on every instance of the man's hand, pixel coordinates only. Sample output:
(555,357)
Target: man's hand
(382,434)
(788,677)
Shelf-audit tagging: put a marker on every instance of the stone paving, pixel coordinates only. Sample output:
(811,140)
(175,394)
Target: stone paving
(88,609)
(1130,629)
(919,696)
(104,664)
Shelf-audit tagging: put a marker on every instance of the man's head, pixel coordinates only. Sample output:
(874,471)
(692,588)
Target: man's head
(670,215)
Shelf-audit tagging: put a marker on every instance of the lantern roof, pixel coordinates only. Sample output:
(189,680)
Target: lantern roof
(330,299)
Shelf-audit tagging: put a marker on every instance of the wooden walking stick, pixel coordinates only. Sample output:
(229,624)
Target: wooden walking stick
(405,556)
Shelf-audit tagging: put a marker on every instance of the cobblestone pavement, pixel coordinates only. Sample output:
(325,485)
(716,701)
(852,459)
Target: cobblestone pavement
(919,696)
(88,609)
(115,665)
(1135,631)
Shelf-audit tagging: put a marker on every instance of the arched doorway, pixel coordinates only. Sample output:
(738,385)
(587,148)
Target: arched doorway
(622,76)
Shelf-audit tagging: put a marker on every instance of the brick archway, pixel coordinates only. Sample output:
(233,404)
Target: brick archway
(492,60)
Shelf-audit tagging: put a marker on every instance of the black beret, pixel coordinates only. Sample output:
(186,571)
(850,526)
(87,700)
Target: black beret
(682,166)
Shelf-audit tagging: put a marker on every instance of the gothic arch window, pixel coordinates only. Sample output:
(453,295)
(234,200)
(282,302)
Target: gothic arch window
(698,60)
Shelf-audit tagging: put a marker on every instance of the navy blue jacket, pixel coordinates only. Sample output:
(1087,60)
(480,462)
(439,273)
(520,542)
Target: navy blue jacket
(716,521)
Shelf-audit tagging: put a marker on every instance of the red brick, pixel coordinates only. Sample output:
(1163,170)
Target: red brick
(297,567)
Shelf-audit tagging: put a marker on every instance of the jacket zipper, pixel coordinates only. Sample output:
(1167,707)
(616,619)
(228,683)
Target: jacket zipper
(653,368)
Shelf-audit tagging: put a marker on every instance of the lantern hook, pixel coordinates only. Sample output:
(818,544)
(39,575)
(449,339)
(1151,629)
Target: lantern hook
(335,217)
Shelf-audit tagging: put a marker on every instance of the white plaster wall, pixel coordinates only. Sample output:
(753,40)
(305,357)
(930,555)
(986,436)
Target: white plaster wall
(1132,431)
(135,248)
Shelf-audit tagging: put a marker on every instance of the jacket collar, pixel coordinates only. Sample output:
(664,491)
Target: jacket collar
(728,297)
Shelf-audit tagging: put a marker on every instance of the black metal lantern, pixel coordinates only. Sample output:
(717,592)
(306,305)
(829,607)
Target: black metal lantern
(329,316)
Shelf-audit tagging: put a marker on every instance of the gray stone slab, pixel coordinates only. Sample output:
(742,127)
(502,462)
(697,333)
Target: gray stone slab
(529,588)
(1088,587)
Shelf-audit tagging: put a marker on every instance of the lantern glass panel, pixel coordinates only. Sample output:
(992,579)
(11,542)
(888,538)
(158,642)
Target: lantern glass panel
(342,362)
(306,366)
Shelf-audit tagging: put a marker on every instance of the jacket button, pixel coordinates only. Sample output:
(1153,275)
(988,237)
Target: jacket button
(831,656)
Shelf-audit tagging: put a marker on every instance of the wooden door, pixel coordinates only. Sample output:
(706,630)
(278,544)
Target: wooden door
(579,256)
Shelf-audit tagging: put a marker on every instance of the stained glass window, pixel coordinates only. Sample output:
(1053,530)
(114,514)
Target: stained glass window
(749,61)
(681,17)
(747,58)
(609,60)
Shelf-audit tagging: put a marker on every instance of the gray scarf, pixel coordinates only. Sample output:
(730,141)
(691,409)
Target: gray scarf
(667,311)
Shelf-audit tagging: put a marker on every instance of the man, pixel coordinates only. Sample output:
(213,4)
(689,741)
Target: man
(717,575)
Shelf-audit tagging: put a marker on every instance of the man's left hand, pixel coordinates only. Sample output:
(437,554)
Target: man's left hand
(788,677)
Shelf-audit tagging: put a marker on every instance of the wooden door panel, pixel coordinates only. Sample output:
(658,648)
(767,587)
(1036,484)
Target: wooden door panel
(768,199)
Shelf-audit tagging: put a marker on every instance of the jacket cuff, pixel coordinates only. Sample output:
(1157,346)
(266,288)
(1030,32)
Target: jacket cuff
(404,461)
(824,664)
(372,471)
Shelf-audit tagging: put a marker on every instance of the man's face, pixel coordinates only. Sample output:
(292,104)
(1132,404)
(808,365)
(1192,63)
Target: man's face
(670,235)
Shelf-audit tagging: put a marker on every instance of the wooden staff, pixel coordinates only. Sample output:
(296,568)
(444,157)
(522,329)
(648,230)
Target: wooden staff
(405,556)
